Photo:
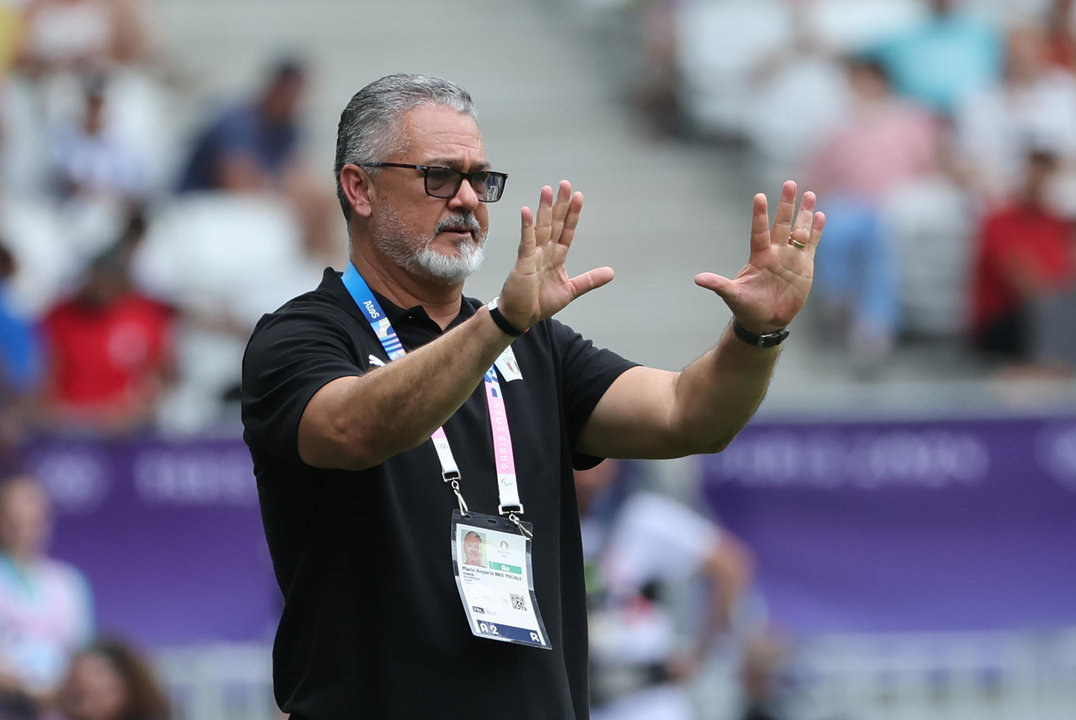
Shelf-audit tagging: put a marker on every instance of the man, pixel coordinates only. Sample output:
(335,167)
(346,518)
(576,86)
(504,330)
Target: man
(1024,252)
(477,426)
(256,146)
(253,145)
(472,548)
(640,550)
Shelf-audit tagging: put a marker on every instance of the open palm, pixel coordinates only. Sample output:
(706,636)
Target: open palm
(772,287)
(539,285)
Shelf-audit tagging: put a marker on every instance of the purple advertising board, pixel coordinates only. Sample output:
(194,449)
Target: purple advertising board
(855,527)
(906,526)
(168,534)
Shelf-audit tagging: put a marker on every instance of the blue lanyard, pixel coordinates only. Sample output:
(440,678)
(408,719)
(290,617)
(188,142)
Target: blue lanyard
(508,491)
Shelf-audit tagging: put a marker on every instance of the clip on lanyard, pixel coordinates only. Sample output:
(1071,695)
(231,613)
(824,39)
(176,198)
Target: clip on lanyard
(507,487)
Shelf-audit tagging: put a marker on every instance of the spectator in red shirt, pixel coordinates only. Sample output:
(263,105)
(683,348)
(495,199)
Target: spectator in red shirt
(109,351)
(1025,251)
(1060,27)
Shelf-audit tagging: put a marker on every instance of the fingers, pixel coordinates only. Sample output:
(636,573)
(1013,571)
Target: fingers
(560,209)
(558,218)
(571,219)
(760,224)
(807,232)
(544,224)
(526,233)
(818,224)
(786,210)
(800,233)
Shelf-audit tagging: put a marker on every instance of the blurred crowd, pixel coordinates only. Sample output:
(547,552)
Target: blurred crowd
(52,664)
(142,235)
(129,214)
(940,136)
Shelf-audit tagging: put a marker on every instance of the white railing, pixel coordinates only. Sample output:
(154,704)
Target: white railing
(966,676)
(943,676)
(219,682)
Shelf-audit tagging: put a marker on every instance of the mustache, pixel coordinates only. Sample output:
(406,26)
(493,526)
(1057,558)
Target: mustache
(457,221)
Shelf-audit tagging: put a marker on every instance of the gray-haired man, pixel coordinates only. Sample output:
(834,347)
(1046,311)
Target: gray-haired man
(388,416)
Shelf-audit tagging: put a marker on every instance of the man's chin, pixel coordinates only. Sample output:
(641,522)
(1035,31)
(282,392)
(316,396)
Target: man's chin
(450,268)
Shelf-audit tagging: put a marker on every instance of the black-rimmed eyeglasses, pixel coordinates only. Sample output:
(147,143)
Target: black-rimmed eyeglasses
(444,182)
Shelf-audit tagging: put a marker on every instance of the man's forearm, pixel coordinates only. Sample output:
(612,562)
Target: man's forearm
(358,422)
(716,395)
(651,413)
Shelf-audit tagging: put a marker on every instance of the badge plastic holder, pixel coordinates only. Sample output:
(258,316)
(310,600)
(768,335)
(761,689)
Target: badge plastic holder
(491,559)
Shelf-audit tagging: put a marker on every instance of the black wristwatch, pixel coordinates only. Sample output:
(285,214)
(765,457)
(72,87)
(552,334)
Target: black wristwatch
(764,340)
(502,322)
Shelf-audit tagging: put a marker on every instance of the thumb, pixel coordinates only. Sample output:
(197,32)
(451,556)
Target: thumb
(719,284)
(591,280)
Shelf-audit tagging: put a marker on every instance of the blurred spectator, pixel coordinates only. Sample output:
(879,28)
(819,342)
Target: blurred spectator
(108,347)
(885,141)
(80,35)
(96,172)
(110,681)
(19,362)
(1034,105)
(1061,34)
(256,146)
(220,260)
(636,546)
(10,33)
(803,73)
(19,359)
(90,160)
(45,605)
(761,667)
(659,82)
(1026,250)
(952,53)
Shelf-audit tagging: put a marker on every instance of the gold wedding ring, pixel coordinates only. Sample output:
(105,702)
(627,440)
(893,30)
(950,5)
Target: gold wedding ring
(797,243)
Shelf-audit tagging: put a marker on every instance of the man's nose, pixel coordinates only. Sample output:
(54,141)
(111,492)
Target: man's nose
(465,197)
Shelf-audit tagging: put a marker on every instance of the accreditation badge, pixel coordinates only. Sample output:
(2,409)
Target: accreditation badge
(492,562)
(507,366)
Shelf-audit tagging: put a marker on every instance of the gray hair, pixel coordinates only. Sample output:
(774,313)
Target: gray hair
(369,125)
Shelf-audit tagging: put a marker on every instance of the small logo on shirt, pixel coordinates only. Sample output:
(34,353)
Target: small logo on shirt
(376,361)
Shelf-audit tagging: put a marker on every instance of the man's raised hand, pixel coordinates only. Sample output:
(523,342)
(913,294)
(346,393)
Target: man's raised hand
(772,287)
(539,286)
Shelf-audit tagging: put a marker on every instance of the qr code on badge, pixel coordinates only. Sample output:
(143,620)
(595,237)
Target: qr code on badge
(519,602)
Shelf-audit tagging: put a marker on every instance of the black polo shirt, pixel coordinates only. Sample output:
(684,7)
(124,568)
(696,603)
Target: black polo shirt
(372,625)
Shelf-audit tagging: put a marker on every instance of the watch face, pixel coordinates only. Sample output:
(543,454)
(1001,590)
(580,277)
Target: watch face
(771,339)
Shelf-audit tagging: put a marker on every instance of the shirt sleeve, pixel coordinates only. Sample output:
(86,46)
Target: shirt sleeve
(289,358)
(587,372)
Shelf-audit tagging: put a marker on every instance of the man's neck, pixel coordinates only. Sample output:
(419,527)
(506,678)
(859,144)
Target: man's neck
(441,302)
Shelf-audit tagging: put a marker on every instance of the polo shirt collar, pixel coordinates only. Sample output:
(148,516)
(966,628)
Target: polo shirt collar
(331,281)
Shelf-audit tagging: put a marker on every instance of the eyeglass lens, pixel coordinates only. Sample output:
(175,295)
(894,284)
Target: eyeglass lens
(445,183)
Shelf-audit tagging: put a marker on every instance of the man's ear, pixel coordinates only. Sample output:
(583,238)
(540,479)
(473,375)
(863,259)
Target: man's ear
(356,186)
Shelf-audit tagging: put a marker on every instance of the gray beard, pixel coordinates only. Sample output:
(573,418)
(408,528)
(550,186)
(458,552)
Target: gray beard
(414,254)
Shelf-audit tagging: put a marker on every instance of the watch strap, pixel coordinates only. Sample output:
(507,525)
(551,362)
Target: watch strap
(764,340)
(501,321)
